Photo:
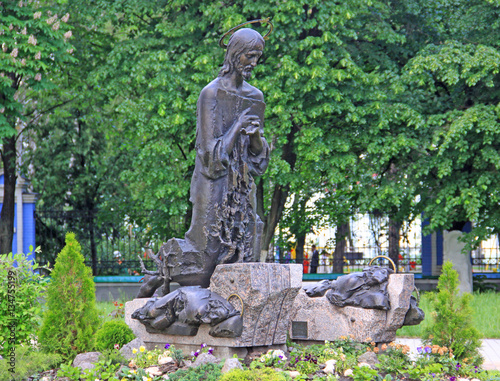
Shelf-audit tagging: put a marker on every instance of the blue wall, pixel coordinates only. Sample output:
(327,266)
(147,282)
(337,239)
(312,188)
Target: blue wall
(28,227)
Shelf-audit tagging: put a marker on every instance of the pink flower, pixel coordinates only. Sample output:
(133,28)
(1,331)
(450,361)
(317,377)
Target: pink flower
(38,77)
(117,346)
(37,15)
(65,18)
(14,52)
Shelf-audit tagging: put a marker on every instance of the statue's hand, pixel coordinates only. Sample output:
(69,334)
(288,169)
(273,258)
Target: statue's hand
(253,128)
(248,123)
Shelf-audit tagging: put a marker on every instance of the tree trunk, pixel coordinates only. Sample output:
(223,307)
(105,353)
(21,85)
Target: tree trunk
(299,250)
(93,248)
(340,247)
(280,195)
(394,236)
(9,195)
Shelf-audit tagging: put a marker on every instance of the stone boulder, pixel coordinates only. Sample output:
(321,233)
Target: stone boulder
(86,360)
(318,320)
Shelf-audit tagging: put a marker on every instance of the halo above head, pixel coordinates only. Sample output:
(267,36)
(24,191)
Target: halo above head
(232,30)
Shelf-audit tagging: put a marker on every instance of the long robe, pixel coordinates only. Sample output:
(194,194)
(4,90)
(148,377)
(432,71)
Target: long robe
(225,225)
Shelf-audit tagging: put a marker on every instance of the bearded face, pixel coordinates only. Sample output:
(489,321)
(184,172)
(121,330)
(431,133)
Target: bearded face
(247,61)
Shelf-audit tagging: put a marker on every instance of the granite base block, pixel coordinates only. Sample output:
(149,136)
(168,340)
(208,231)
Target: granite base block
(316,319)
(264,292)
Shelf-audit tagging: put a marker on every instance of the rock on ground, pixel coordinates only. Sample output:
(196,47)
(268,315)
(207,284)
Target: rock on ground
(231,364)
(126,350)
(86,360)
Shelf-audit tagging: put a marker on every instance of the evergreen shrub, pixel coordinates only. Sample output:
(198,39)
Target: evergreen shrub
(71,318)
(451,314)
(111,333)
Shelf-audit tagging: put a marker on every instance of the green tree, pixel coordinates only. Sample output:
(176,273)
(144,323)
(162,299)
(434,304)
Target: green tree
(71,319)
(34,41)
(316,87)
(451,318)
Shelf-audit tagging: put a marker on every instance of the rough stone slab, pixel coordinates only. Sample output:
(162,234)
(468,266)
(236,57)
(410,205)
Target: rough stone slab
(452,251)
(316,319)
(267,291)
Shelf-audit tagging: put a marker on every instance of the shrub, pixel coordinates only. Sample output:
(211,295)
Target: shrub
(451,325)
(111,333)
(20,312)
(70,320)
(28,362)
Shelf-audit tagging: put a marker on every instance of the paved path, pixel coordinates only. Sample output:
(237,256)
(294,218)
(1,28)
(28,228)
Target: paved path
(490,350)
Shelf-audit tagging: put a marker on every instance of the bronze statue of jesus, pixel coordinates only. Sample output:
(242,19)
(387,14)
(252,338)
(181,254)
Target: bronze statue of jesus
(230,151)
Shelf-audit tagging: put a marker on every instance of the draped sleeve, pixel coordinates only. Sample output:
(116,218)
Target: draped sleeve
(209,137)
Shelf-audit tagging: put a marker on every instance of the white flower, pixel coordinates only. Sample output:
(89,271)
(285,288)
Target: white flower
(2,110)
(70,51)
(38,77)
(4,47)
(24,31)
(56,25)
(37,15)
(330,366)
(23,62)
(51,20)
(361,364)
(348,372)
(14,52)
(65,18)
(20,4)
(38,55)
(11,27)
(68,34)
(32,40)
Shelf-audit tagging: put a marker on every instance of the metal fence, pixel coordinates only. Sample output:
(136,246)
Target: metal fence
(111,241)
(486,258)
(355,259)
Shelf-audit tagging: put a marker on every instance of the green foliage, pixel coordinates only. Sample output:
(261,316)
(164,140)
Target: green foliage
(208,372)
(266,374)
(68,371)
(480,284)
(20,312)
(28,362)
(365,373)
(103,370)
(112,333)
(451,323)
(113,355)
(71,318)
(34,42)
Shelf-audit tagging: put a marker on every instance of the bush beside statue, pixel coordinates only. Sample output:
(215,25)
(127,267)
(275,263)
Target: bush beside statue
(71,319)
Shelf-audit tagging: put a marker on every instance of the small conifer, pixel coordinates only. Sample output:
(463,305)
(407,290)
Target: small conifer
(451,318)
(71,318)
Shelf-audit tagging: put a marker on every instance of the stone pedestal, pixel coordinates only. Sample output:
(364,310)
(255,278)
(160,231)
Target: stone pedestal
(316,319)
(453,252)
(265,294)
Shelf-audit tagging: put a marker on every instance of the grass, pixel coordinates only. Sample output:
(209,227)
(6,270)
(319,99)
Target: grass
(105,309)
(486,308)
